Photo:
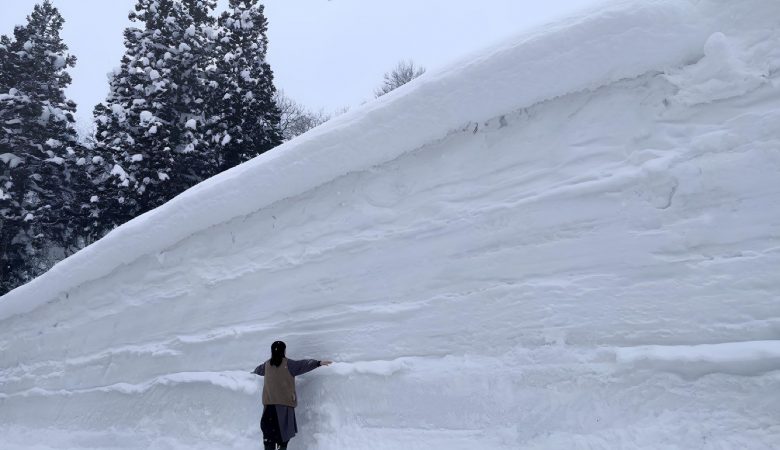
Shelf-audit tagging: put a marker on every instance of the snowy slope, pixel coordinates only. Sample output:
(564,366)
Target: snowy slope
(569,241)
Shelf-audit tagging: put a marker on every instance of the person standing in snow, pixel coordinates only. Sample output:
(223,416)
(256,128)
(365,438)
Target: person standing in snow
(279,399)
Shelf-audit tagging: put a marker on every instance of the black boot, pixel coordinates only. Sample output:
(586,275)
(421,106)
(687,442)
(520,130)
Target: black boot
(269,445)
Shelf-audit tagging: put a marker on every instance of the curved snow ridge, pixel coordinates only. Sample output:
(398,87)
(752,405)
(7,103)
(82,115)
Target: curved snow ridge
(379,367)
(238,381)
(736,358)
(623,40)
(171,346)
(151,349)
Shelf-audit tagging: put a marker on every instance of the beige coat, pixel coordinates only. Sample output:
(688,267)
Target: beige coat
(279,385)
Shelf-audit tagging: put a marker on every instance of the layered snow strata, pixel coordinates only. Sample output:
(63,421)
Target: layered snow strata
(621,41)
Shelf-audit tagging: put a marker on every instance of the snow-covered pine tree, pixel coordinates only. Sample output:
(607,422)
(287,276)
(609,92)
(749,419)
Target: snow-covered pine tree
(198,86)
(37,147)
(187,102)
(95,187)
(245,113)
(149,128)
(134,124)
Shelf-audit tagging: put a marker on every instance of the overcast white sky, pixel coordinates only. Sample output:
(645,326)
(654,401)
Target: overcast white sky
(325,53)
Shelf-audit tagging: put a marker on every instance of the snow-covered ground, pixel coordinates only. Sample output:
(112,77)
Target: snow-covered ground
(569,241)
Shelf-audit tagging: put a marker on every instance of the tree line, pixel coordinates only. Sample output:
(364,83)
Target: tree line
(193,96)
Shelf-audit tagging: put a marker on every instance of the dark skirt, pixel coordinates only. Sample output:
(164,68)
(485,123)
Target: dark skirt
(278,423)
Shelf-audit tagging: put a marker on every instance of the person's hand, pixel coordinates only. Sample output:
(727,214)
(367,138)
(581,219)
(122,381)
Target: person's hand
(326,363)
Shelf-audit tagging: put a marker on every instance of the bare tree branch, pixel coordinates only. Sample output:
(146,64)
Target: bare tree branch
(296,119)
(404,72)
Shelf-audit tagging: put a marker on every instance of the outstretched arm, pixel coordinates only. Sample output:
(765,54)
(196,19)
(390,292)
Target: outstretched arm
(260,370)
(304,365)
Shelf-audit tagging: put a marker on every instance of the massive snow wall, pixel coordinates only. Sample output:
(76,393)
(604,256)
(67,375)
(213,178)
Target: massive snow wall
(568,241)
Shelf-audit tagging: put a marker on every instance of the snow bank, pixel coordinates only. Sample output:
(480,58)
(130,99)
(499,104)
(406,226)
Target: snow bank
(623,40)
(597,270)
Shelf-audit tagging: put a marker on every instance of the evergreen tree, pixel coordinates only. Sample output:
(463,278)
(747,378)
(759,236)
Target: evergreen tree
(245,112)
(148,128)
(94,217)
(192,97)
(38,147)
(199,83)
(133,132)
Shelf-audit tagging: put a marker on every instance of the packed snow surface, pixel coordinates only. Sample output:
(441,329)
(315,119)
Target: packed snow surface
(568,241)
